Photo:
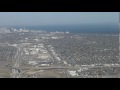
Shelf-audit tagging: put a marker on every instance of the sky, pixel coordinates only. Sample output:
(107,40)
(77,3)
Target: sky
(58,18)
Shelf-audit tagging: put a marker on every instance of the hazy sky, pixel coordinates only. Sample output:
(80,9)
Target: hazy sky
(57,18)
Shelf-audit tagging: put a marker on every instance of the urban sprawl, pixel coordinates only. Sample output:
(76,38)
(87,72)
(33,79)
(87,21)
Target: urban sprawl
(40,54)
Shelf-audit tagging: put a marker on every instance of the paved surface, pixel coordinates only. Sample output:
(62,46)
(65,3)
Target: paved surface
(15,69)
(66,67)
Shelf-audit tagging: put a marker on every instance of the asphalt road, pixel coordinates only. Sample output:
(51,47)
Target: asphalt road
(53,56)
(15,69)
(65,67)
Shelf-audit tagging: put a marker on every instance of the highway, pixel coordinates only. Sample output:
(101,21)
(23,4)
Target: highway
(56,61)
(16,64)
(65,67)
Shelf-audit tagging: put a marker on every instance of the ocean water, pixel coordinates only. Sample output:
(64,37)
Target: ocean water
(76,28)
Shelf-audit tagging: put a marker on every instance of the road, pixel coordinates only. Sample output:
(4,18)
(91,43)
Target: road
(65,67)
(56,61)
(16,64)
